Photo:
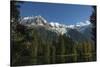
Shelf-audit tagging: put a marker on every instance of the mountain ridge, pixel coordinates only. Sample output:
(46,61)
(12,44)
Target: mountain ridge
(76,32)
(40,21)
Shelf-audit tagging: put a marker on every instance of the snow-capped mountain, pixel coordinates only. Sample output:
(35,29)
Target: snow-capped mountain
(37,20)
(55,26)
(78,32)
(40,21)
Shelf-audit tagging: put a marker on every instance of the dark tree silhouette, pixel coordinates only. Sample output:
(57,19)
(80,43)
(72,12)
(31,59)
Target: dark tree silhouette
(14,10)
(93,20)
(29,46)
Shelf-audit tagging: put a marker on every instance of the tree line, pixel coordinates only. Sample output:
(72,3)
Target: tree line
(28,48)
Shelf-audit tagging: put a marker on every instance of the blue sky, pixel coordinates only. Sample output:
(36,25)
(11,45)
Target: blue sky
(62,13)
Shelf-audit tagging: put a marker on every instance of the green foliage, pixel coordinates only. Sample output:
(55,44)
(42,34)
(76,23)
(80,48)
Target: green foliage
(29,46)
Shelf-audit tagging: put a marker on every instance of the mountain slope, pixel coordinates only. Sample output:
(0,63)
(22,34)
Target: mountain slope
(75,32)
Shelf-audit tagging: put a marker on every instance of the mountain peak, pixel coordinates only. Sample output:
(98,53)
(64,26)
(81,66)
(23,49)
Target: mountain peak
(53,26)
(40,19)
(36,20)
